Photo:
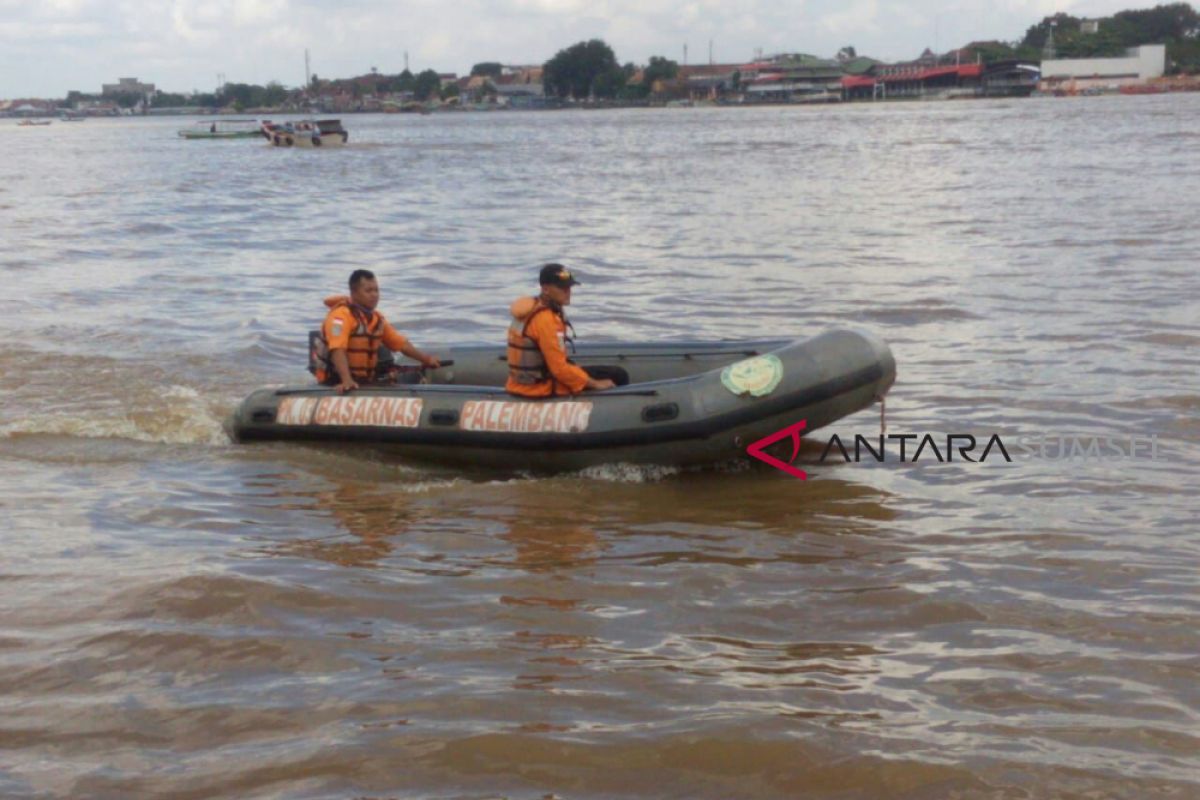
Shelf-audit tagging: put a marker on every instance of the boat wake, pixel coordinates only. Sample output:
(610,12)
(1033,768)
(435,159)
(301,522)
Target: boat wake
(177,415)
(628,473)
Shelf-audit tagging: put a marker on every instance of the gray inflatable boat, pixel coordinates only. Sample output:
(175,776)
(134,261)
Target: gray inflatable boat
(682,403)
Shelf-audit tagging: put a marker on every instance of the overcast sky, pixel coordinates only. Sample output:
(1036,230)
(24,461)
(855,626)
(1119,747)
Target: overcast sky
(48,47)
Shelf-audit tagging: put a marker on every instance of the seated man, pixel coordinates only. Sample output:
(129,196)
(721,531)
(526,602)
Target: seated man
(352,333)
(537,358)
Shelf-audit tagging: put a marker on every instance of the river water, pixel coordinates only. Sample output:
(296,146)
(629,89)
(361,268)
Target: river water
(184,617)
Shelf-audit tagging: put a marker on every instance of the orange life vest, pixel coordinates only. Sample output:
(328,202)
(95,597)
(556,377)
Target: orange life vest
(526,364)
(362,351)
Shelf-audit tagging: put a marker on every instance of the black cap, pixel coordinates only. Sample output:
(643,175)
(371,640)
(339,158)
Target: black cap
(557,275)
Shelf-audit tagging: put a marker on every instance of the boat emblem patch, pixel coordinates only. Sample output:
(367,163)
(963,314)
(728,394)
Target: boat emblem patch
(510,416)
(756,376)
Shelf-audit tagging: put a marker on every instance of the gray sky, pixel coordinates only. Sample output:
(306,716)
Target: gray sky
(50,46)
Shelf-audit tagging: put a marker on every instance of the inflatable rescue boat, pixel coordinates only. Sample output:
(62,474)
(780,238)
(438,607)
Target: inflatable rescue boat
(675,404)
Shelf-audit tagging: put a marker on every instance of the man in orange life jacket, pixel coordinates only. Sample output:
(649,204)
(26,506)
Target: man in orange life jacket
(353,331)
(537,354)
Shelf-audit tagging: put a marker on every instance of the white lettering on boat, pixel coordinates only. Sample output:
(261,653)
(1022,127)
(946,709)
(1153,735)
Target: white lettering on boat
(508,416)
(378,412)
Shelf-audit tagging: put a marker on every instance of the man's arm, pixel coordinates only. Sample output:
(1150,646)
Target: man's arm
(543,331)
(337,329)
(398,343)
(341,365)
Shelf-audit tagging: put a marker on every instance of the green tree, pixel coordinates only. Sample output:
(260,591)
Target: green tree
(1177,25)
(1184,56)
(490,69)
(405,82)
(1065,27)
(75,97)
(1161,24)
(450,90)
(168,100)
(238,95)
(274,94)
(660,69)
(426,84)
(573,71)
(609,84)
(989,52)
(127,99)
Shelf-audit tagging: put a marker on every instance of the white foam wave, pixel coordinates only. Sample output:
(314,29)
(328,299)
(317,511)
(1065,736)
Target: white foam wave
(623,472)
(178,415)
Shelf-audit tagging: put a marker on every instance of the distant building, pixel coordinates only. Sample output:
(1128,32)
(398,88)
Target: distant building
(1089,26)
(1010,78)
(128,86)
(27,108)
(926,76)
(1139,65)
(522,73)
(792,78)
(708,81)
(521,95)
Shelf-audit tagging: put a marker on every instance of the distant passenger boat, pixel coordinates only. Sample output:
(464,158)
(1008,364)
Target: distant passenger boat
(69,117)
(223,129)
(29,123)
(306,133)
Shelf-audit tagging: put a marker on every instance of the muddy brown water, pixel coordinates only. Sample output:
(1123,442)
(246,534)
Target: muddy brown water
(183,617)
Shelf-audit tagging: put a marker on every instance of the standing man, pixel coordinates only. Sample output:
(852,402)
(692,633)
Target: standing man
(352,333)
(537,356)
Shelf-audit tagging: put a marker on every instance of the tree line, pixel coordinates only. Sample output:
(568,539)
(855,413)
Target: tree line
(1176,25)
(590,69)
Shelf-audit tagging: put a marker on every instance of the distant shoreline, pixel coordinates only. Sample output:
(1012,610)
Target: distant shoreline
(1181,88)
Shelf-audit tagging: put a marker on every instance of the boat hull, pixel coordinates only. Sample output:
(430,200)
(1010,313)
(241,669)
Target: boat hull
(221,134)
(307,140)
(688,403)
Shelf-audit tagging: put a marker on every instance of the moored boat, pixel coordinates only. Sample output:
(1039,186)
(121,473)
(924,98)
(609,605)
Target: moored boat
(306,133)
(223,129)
(33,123)
(675,404)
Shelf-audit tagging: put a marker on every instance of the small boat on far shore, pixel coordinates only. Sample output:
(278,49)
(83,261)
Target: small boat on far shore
(31,123)
(223,129)
(306,133)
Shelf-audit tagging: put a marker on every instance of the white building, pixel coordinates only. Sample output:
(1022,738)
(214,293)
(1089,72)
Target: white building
(1139,65)
(128,86)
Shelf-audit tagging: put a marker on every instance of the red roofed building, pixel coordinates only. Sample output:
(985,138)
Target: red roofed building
(927,76)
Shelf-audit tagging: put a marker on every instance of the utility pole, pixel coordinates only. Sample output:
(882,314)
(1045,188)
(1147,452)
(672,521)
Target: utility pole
(710,61)
(1048,50)
(685,54)
(307,71)
(406,61)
